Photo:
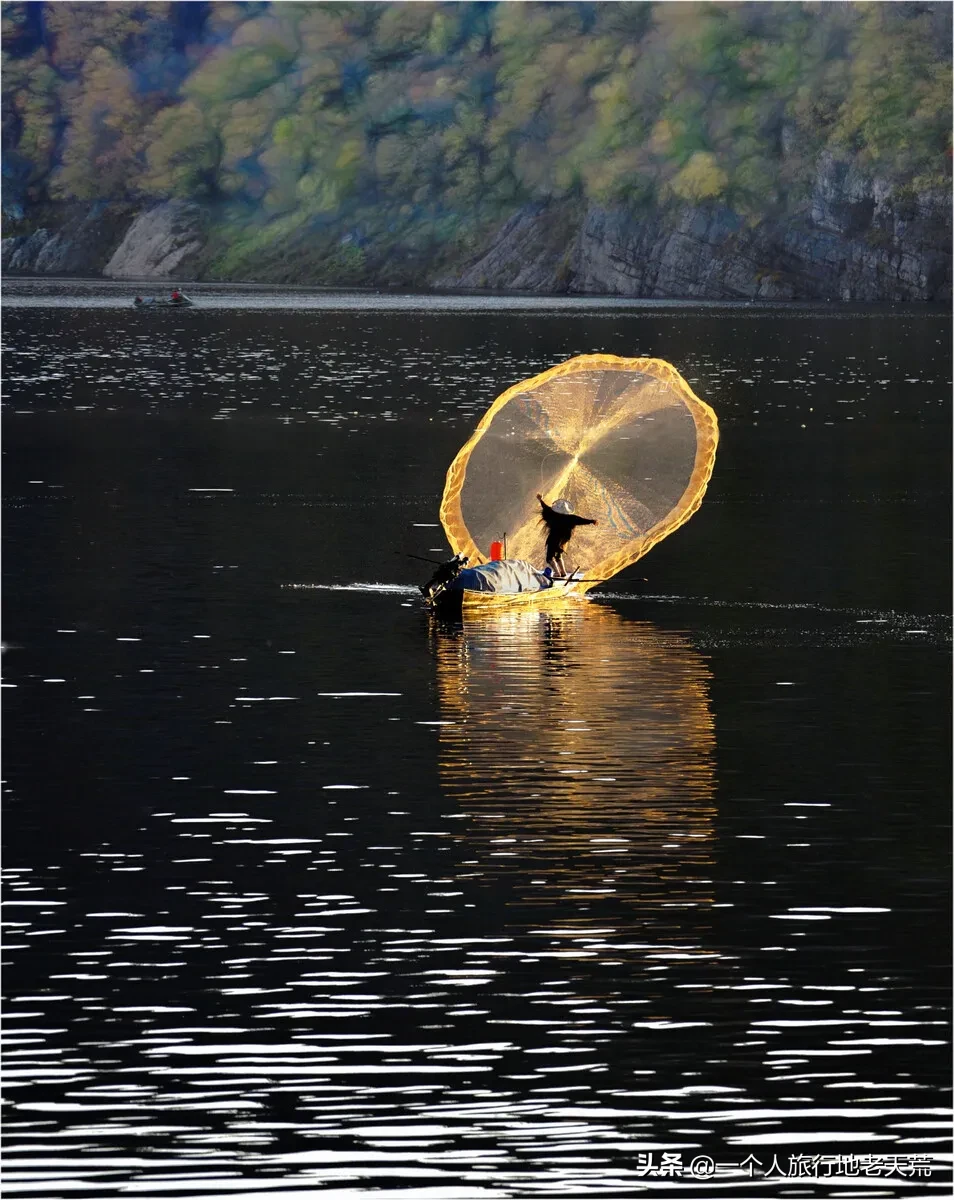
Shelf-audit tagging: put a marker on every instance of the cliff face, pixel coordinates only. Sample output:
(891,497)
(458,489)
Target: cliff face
(857,239)
(79,244)
(158,243)
(112,241)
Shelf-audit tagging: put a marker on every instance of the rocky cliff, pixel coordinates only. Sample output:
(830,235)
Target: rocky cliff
(857,238)
(77,241)
(110,240)
(159,243)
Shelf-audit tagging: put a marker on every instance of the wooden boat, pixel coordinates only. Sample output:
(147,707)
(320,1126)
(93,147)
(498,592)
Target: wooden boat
(456,588)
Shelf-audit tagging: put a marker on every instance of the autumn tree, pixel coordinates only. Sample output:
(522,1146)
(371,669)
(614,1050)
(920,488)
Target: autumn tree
(183,154)
(99,159)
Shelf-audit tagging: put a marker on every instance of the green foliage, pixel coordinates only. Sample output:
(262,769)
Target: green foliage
(236,246)
(895,105)
(446,116)
(183,154)
(31,115)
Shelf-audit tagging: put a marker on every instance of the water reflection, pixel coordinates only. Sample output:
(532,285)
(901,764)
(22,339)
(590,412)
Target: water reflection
(580,747)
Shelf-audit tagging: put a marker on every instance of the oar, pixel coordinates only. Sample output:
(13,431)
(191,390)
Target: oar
(570,579)
(438,562)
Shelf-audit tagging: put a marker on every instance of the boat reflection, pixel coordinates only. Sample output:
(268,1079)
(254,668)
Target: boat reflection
(579,747)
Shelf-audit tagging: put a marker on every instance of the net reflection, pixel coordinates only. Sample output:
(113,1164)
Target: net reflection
(579,746)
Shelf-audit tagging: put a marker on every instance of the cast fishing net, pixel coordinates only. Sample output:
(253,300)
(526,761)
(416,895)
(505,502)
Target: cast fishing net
(624,440)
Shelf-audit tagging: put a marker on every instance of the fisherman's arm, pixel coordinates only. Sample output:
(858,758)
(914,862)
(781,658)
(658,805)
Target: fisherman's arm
(547,510)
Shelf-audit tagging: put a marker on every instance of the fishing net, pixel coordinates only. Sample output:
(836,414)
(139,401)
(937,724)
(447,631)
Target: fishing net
(622,440)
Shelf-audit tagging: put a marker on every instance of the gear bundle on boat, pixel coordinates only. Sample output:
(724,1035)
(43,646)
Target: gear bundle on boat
(594,462)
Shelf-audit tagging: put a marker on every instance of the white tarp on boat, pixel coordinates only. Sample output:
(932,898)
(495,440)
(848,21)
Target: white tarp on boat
(506,575)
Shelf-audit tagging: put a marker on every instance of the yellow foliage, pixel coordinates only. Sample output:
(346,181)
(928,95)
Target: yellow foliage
(700,179)
(349,154)
(613,175)
(318,193)
(661,137)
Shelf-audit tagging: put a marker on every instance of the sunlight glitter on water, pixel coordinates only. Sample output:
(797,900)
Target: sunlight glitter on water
(630,880)
(651,836)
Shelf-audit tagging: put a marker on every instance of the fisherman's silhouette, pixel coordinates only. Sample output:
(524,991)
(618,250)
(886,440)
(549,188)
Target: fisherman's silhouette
(560,521)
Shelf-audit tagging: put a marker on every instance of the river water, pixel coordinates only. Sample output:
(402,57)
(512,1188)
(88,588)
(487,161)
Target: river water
(305,895)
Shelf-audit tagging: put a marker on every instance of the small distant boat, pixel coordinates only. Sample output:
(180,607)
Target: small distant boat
(176,300)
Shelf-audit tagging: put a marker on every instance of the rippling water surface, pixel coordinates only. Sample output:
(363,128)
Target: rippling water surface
(307,895)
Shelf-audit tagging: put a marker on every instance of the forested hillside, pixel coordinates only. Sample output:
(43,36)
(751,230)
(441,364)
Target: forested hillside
(351,141)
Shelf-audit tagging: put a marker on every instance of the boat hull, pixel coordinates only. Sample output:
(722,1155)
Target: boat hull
(496,586)
(462,602)
(148,304)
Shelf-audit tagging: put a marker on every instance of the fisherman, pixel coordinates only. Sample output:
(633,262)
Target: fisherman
(560,522)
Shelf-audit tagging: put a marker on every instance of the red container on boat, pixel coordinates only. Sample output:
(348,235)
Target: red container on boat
(496,551)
